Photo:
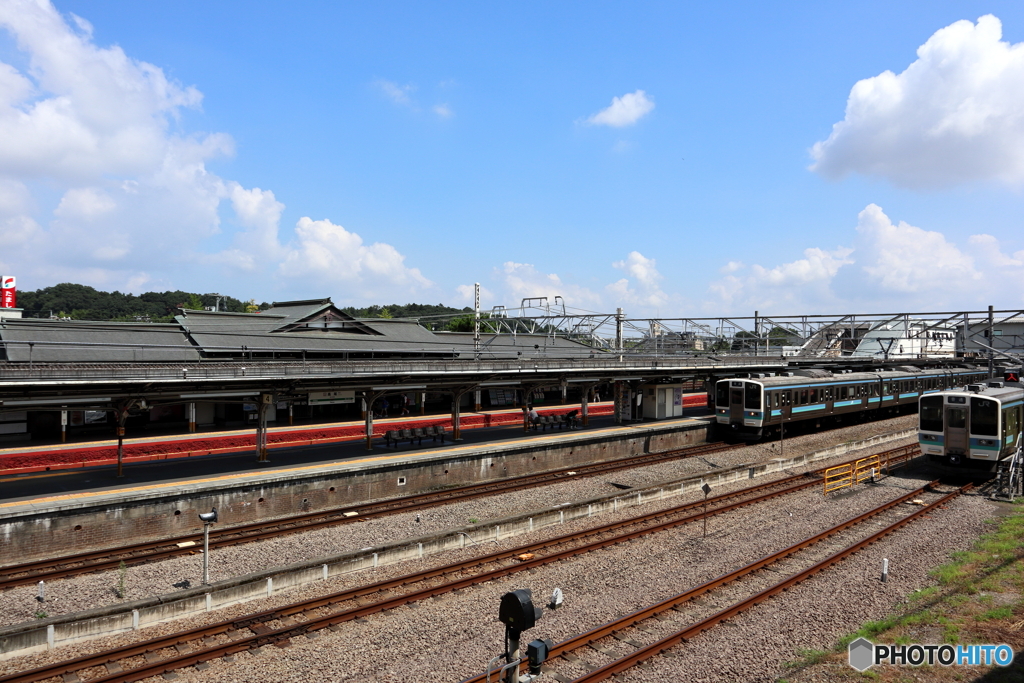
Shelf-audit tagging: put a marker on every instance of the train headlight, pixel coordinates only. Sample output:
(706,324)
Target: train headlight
(986,442)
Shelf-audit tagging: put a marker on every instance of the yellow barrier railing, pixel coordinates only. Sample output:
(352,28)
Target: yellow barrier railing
(838,477)
(865,467)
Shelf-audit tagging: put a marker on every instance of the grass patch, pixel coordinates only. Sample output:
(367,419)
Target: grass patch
(997,613)
(807,658)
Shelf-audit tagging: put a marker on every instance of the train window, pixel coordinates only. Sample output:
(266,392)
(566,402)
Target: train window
(814,395)
(828,394)
(803,397)
(752,399)
(786,398)
(984,417)
(874,390)
(931,414)
(722,396)
(956,418)
(1011,423)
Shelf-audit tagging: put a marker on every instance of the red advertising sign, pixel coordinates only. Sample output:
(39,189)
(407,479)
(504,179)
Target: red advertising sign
(8,296)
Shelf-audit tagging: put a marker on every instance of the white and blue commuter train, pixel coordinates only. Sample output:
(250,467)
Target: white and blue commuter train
(757,406)
(975,426)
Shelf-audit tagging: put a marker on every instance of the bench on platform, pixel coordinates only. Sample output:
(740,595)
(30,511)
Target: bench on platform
(393,437)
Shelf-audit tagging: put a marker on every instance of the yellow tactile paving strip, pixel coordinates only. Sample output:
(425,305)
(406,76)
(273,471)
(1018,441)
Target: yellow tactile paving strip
(238,476)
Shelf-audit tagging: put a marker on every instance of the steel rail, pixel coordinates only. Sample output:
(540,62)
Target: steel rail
(656,648)
(612,627)
(263,635)
(150,551)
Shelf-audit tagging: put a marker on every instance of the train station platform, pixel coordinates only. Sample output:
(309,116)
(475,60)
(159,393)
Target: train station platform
(91,507)
(50,457)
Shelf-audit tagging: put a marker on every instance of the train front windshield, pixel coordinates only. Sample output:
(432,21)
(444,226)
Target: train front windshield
(931,414)
(752,399)
(984,416)
(722,394)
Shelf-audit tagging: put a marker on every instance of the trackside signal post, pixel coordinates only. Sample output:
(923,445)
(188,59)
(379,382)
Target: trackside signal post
(518,614)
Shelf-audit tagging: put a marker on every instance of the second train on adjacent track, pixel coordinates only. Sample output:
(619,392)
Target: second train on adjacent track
(754,407)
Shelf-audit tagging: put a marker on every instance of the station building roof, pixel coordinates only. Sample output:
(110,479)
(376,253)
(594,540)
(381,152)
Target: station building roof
(312,328)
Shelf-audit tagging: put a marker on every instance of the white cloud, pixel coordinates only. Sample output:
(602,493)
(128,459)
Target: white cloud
(903,258)
(137,203)
(331,254)
(523,280)
(466,294)
(86,203)
(399,94)
(623,111)
(799,283)
(731,267)
(952,116)
(892,266)
(444,111)
(648,294)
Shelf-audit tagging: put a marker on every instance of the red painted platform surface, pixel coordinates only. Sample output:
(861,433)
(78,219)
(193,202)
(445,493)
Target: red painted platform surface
(69,456)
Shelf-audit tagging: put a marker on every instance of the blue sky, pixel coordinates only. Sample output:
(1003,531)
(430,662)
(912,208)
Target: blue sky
(660,157)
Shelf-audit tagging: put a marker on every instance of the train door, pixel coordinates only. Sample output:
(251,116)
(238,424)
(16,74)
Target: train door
(735,402)
(956,437)
(662,401)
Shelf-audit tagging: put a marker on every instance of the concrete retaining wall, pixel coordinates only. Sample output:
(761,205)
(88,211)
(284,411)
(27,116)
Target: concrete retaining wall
(34,637)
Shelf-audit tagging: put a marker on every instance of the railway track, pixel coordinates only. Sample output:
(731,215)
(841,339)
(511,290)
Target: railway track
(57,568)
(190,647)
(604,642)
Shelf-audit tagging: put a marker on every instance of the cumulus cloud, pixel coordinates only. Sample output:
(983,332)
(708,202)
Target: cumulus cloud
(623,111)
(892,265)
(467,294)
(99,184)
(332,254)
(523,280)
(902,258)
(952,116)
(799,283)
(648,293)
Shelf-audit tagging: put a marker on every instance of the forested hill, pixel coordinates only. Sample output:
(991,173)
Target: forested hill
(81,302)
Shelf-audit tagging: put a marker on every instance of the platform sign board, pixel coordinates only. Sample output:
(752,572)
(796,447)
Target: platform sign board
(8,294)
(323,398)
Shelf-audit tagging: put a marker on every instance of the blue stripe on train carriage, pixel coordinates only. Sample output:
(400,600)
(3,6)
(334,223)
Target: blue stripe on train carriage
(912,395)
(874,400)
(841,404)
(804,409)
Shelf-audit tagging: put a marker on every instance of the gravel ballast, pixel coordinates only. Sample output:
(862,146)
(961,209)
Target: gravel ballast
(102,589)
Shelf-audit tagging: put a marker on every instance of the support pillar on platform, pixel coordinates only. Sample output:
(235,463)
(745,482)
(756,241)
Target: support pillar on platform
(620,395)
(63,426)
(121,414)
(368,400)
(191,407)
(291,414)
(476,401)
(456,414)
(423,403)
(261,429)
